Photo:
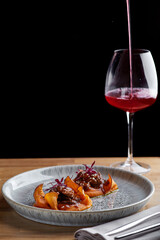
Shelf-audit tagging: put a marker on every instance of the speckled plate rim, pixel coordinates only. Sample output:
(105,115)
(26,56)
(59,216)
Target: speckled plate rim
(146,199)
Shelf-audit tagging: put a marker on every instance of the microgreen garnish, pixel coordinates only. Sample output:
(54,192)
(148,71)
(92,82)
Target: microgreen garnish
(58,183)
(88,170)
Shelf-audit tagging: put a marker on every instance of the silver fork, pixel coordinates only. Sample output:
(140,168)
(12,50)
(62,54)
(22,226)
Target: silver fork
(133,224)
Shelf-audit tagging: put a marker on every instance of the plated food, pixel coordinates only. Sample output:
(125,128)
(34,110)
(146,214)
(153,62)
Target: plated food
(93,183)
(65,195)
(74,194)
(134,191)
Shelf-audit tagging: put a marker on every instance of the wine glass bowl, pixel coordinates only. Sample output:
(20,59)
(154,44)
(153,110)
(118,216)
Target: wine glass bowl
(131,88)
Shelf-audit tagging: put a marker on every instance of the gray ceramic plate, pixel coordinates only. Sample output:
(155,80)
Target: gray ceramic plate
(134,192)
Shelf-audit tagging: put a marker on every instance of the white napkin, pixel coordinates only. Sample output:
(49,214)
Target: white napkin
(99,232)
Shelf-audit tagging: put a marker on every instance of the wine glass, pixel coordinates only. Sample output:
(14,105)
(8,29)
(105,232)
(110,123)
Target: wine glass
(131,85)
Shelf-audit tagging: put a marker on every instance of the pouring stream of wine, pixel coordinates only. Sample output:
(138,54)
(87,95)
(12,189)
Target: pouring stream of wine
(130,44)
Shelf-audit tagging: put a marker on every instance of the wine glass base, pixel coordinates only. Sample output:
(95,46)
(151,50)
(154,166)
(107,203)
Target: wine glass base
(139,167)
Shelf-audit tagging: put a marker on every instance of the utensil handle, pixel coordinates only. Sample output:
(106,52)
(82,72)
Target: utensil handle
(141,230)
(132,224)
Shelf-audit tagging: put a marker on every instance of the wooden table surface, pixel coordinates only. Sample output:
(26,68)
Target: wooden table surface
(13,226)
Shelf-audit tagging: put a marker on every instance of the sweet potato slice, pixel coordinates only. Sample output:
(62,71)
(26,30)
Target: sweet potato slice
(79,192)
(87,201)
(51,199)
(70,183)
(94,192)
(39,197)
(114,186)
(107,184)
(39,191)
(41,203)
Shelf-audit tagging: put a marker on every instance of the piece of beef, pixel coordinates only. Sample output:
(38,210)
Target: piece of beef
(66,195)
(87,180)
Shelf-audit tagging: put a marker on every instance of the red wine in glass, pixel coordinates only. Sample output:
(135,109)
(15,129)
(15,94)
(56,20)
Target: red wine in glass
(131,100)
(120,94)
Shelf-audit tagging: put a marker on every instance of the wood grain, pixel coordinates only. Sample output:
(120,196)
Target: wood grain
(13,226)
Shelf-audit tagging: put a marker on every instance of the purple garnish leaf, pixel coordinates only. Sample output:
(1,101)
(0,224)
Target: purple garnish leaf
(93,164)
(90,170)
(58,183)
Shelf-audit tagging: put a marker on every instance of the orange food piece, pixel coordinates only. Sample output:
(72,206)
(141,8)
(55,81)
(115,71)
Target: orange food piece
(41,203)
(94,192)
(107,184)
(87,201)
(79,192)
(70,183)
(51,199)
(38,191)
(39,197)
(114,186)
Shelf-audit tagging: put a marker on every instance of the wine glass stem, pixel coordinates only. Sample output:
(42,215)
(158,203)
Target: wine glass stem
(130,137)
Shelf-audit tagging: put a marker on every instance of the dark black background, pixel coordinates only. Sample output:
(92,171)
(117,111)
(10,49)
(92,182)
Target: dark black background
(53,75)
